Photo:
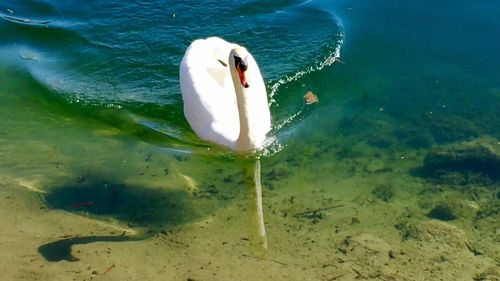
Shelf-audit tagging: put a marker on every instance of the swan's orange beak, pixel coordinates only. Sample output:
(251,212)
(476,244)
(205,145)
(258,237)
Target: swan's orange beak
(243,79)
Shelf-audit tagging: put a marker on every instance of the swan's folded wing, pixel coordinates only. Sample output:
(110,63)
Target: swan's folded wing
(207,90)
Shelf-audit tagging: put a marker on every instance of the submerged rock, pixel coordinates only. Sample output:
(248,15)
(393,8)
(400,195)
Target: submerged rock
(371,249)
(444,234)
(490,274)
(441,212)
(384,192)
(421,140)
(476,161)
(407,230)
(382,141)
(376,166)
(447,128)
(415,137)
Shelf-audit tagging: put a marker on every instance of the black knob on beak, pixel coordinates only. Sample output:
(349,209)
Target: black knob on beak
(240,64)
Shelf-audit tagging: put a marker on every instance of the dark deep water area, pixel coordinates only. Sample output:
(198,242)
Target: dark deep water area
(393,175)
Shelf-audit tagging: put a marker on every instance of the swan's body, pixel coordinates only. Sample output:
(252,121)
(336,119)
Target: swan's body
(225,99)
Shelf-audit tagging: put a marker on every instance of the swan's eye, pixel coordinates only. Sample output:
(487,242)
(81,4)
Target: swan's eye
(243,66)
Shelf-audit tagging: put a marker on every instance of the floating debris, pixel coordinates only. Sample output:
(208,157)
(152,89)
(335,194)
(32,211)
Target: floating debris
(310,98)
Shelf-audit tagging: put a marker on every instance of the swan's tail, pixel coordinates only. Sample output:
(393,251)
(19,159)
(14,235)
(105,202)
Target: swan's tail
(256,214)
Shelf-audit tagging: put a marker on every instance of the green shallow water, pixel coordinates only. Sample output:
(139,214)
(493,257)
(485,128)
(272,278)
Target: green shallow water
(90,111)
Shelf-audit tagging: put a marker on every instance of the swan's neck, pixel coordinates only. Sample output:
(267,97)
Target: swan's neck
(247,138)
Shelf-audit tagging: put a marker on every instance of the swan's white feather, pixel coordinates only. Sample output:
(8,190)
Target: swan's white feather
(209,95)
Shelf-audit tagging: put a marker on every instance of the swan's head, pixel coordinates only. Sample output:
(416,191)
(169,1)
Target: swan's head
(238,58)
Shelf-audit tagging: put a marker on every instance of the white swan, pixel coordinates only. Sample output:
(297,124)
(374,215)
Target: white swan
(225,99)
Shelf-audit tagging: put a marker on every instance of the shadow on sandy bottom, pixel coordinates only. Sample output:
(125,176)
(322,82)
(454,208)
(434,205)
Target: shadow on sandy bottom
(61,249)
(153,208)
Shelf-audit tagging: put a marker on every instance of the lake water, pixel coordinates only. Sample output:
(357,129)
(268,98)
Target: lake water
(394,173)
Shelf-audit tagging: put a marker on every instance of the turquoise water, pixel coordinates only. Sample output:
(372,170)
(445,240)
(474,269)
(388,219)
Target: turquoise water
(91,111)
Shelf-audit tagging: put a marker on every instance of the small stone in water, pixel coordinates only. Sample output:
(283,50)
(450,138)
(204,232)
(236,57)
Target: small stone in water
(441,212)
